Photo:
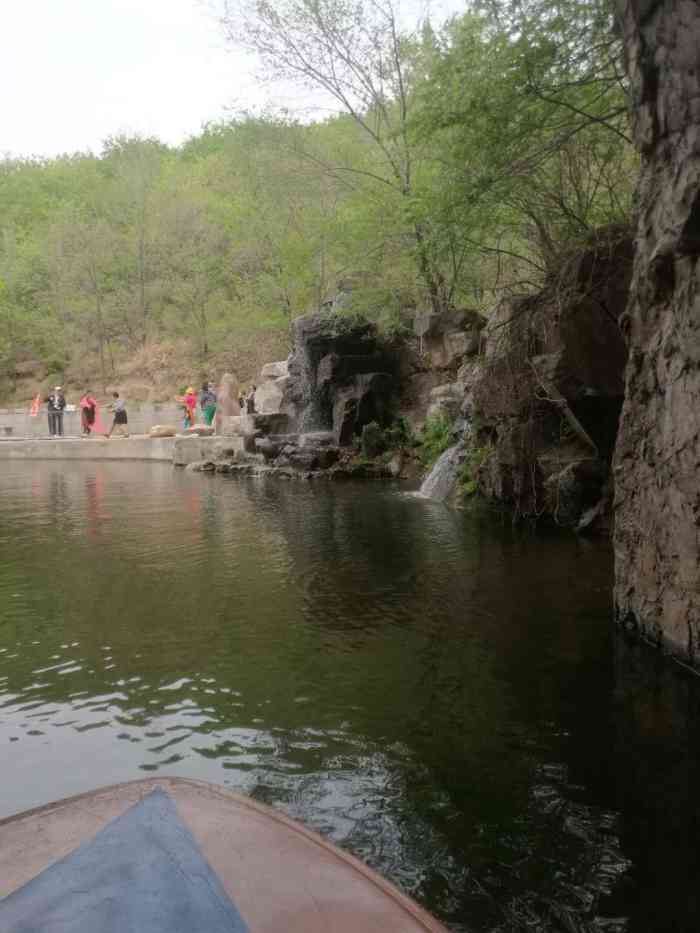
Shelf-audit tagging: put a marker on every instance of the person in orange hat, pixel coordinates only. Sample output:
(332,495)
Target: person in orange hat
(189,403)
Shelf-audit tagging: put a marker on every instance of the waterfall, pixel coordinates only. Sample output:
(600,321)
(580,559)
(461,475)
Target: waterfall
(440,482)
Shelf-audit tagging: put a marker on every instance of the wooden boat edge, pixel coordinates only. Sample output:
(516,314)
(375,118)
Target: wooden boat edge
(417,913)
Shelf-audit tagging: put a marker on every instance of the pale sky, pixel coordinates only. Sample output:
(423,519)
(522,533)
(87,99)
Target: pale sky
(73,72)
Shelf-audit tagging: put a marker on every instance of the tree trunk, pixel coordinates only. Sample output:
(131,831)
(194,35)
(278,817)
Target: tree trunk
(657,461)
(431,275)
(142,283)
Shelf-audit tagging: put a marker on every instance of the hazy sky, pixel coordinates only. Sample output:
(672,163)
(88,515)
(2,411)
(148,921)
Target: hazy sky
(73,72)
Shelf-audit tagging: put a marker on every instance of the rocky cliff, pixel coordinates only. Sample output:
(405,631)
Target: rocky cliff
(657,463)
(544,399)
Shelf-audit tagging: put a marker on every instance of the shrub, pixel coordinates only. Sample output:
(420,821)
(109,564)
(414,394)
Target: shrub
(475,458)
(372,441)
(400,434)
(435,439)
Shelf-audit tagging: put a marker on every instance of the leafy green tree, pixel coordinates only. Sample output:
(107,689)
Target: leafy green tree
(358,57)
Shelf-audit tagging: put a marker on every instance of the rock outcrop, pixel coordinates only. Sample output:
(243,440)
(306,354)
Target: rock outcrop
(657,462)
(447,337)
(547,397)
(310,409)
(339,377)
(272,391)
(227,405)
(430,364)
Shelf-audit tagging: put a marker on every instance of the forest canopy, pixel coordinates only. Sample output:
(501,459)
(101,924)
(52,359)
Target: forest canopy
(459,163)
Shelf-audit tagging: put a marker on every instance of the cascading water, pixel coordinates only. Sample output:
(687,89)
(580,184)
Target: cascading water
(441,480)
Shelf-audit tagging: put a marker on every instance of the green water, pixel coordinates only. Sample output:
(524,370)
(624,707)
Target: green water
(433,691)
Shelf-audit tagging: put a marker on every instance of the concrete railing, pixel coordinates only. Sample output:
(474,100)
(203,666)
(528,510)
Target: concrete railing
(17,422)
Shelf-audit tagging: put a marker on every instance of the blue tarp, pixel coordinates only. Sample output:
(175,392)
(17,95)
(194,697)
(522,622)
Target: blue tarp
(143,873)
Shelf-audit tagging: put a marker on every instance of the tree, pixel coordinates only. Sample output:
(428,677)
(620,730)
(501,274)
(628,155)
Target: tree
(136,165)
(531,127)
(358,57)
(193,261)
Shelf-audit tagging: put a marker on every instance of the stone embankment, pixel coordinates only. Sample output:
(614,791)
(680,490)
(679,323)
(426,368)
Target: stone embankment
(100,449)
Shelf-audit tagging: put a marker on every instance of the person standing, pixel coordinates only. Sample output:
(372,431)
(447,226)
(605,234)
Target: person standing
(119,425)
(88,409)
(207,402)
(250,400)
(55,404)
(189,404)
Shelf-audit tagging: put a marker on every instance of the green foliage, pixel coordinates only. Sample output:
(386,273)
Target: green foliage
(463,162)
(372,442)
(476,457)
(527,109)
(376,441)
(435,438)
(340,323)
(400,435)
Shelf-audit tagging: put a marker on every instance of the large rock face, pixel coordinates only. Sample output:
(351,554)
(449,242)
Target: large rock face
(271,393)
(546,400)
(657,462)
(339,376)
(430,364)
(447,337)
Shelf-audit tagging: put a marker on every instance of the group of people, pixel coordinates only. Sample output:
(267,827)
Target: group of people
(89,414)
(90,421)
(207,404)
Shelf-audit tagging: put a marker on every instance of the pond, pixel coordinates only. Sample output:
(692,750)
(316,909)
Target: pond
(435,691)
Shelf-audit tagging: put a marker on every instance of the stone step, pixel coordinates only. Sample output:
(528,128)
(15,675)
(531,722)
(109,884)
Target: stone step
(317,439)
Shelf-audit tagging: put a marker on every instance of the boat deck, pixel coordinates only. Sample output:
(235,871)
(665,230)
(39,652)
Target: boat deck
(280,876)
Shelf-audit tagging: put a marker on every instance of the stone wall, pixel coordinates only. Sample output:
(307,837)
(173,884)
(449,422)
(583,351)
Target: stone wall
(657,463)
(100,449)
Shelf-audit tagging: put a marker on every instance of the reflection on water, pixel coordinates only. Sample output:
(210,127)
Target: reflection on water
(432,691)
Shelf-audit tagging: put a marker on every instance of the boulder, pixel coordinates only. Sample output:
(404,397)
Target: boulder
(446,401)
(163,430)
(446,337)
(271,393)
(264,423)
(268,448)
(268,397)
(227,404)
(272,371)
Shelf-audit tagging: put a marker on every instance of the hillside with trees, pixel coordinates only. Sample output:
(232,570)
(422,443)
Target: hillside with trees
(460,163)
